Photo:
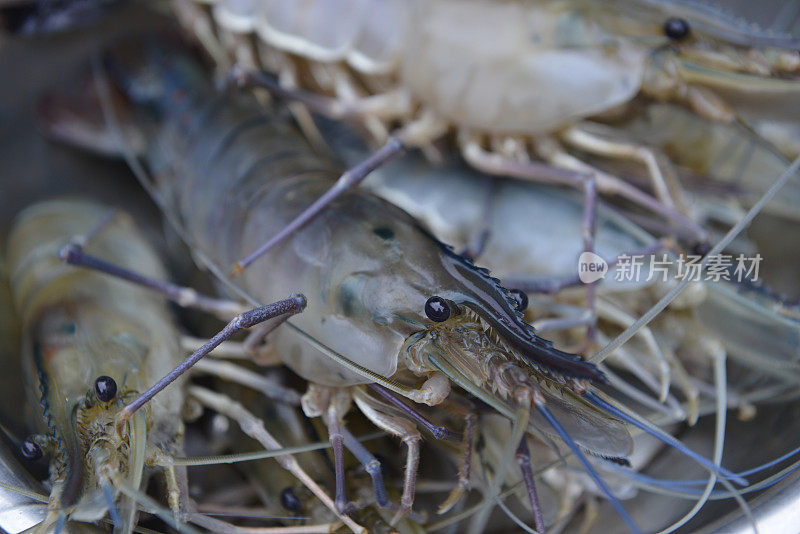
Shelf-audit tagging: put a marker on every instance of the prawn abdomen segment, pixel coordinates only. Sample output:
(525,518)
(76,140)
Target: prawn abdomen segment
(554,66)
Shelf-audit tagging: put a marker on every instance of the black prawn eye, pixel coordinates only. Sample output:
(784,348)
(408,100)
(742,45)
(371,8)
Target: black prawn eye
(290,501)
(676,29)
(105,387)
(30,449)
(438,309)
(521,297)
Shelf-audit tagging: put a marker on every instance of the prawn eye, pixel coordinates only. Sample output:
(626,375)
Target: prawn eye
(676,29)
(30,449)
(521,297)
(105,387)
(290,501)
(438,309)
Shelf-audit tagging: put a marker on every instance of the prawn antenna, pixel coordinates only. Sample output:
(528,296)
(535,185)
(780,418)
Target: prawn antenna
(595,476)
(282,308)
(664,438)
(112,507)
(73,254)
(348,180)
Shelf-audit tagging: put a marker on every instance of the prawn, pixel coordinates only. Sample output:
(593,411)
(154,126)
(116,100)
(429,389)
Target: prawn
(514,80)
(529,235)
(90,344)
(388,303)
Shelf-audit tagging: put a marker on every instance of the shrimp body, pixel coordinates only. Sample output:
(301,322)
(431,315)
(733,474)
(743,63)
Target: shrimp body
(534,235)
(554,64)
(519,67)
(388,304)
(534,232)
(346,280)
(739,161)
(514,80)
(366,266)
(77,326)
(233,171)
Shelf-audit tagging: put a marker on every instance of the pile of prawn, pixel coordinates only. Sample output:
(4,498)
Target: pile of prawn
(440,305)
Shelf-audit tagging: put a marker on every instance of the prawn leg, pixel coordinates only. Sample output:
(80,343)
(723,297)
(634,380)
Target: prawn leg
(255,428)
(221,527)
(609,184)
(406,430)
(441,432)
(438,431)
(345,87)
(385,105)
(334,424)
(331,404)
(371,465)
(584,140)
(585,318)
(588,228)
(464,464)
(524,461)
(82,240)
(245,377)
(177,482)
(476,243)
(288,77)
(254,348)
